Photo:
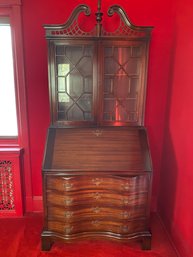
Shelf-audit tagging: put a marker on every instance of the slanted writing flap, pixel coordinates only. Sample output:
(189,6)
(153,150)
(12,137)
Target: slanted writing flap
(97,149)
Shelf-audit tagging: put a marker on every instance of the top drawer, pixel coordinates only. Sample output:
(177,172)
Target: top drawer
(127,184)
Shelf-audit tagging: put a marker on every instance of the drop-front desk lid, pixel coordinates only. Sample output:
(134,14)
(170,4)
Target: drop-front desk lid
(97,149)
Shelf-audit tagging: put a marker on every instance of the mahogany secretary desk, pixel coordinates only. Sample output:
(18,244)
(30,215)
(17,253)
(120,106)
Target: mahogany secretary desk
(97,168)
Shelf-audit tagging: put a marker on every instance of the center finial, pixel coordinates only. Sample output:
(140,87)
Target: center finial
(99,15)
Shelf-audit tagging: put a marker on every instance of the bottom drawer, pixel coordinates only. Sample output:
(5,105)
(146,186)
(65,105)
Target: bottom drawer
(97,225)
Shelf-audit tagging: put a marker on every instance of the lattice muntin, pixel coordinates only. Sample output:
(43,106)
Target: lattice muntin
(73,30)
(75,101)
(123,73)
(123,30)
(6,186)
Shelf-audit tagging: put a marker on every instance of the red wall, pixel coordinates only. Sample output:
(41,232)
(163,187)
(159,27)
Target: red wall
(176,191)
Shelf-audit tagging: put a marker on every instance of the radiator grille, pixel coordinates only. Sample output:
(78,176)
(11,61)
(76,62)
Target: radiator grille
(6,186)
(11,198)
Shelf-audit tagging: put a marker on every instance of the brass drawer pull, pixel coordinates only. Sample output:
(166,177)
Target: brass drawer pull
(95,223)
(96,210)
(98,132)
(68,186)
(126,214)
(126,186)
(68,230)
(97,196)
(125,228)
(67,201)
(97,181)
(68,214)
(125,201)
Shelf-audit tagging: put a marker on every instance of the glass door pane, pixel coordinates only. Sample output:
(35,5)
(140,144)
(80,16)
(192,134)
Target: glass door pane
(74,80)
(122,68)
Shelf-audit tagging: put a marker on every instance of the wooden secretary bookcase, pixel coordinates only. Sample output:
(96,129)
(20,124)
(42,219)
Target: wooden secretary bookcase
(97,168)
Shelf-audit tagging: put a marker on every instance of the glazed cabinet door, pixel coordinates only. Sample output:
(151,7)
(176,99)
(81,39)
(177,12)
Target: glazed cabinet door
(123,82)
(73,85)
(97,82)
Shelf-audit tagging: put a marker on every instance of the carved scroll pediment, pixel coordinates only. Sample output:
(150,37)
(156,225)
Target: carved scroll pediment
(72,27)
(126,27)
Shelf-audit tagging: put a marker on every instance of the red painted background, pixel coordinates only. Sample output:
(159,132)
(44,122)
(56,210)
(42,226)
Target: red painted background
(169,98)
(176,190)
